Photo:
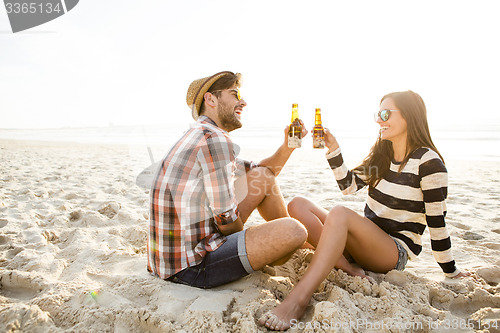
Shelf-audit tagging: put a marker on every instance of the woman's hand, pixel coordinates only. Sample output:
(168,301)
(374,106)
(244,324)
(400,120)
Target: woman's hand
(462,274)
(330,141)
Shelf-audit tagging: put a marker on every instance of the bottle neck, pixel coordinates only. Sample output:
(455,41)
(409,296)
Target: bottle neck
(295,114)
(317,120)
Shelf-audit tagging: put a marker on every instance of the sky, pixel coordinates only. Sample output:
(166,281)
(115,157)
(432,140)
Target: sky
(129,62)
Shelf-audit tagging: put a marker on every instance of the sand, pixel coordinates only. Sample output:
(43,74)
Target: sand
(73,255)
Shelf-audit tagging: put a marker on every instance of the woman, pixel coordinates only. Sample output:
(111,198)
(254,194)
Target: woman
(407,183)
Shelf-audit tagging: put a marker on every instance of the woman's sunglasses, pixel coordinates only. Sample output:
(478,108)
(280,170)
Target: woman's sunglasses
(383,114)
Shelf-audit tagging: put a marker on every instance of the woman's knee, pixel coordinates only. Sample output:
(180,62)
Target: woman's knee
(296,205)
(338,215)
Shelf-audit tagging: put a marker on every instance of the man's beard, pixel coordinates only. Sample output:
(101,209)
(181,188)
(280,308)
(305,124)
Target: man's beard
(227,117)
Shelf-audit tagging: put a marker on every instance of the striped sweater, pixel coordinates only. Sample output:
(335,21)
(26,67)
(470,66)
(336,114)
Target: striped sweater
(404,203)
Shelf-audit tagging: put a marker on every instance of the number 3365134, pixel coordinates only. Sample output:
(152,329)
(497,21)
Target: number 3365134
(32,8)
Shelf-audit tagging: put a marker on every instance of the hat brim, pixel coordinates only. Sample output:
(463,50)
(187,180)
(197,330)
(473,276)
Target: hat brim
(197,90)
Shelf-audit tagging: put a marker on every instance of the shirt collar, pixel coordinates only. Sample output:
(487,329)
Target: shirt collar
(205,119)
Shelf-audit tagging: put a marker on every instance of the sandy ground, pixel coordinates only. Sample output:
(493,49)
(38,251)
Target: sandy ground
(73,255)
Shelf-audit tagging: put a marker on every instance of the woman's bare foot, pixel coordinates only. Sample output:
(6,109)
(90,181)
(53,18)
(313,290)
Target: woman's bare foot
(282,316)
(358,271)
(353,270)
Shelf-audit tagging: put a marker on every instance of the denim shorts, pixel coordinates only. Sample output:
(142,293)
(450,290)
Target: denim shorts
(226,264)
(402,256)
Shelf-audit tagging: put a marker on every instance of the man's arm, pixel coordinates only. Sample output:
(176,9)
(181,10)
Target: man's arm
(277,161)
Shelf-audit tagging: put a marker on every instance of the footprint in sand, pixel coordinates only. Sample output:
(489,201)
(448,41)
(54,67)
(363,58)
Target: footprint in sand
(109,209)
(14,252)
(3,239)
(466,305)
(21,285)
(492,246)
(75,215)
(460,225)
(489,318)
(490,274)
(71,196)
(469,235)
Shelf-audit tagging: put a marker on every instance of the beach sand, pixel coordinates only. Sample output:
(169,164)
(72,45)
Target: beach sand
(73,254)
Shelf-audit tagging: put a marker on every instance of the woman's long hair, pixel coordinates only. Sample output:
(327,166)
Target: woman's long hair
(376,165)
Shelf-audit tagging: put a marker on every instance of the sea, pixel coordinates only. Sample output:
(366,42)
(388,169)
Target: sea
(477,144)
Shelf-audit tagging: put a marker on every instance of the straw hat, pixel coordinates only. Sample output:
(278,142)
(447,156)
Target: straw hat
(197,90)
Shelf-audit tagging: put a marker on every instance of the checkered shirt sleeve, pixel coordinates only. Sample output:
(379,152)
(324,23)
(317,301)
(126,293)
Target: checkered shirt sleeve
(217,162)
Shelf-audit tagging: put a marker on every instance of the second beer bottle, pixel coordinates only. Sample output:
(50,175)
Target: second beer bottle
(318,131)
(295,129)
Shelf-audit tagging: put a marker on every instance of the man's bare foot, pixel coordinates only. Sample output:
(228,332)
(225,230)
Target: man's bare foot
(282,316)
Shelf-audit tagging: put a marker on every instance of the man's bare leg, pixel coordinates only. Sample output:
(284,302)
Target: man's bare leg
(271,243)
(274,242)
(260,190)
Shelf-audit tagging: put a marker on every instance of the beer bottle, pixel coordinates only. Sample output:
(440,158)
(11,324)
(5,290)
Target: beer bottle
(295,129)
(318,131)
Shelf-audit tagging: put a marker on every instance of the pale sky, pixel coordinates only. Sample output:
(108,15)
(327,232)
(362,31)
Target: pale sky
(129,62)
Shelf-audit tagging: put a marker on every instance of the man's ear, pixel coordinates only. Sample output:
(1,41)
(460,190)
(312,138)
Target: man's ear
(210,99)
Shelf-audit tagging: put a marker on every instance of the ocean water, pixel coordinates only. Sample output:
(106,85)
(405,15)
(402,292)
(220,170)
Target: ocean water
(465,144)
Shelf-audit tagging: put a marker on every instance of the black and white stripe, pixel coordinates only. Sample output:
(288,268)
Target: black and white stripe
(404,203)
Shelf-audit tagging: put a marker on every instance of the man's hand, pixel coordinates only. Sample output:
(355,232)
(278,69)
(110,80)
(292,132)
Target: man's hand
(231,228)
(276,162)
(304,132)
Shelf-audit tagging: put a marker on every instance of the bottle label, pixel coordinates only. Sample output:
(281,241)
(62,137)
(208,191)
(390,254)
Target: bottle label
(318,142)
(295,135)
(294,142)
(318,138)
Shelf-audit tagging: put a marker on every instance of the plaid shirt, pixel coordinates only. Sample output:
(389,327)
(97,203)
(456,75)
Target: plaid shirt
(193,193)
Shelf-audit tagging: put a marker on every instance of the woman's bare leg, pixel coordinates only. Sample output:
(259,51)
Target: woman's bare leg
(310,215)
(370,246)
(313,218)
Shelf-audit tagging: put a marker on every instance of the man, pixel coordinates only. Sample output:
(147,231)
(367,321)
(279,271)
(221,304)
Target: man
(198,209)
